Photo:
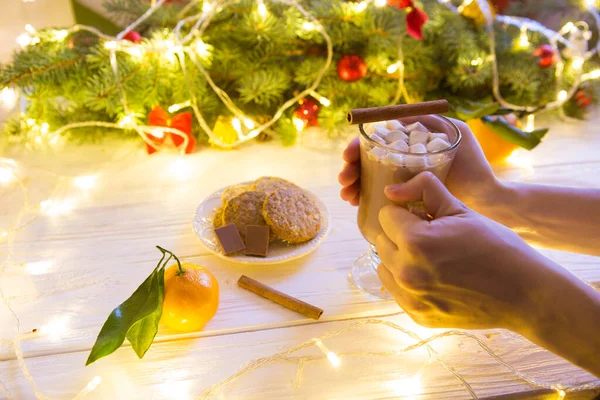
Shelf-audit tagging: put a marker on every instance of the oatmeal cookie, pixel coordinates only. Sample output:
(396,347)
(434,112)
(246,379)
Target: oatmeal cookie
(293,215)
(233,191)
(269,184)
(245,209)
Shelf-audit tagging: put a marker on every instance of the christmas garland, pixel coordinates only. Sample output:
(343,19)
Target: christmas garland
(220,72)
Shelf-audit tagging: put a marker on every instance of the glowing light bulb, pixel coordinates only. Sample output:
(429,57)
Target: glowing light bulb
(127,120)
(137,52)
(262,9)
(393,68)
(158,133)
(30,29)
(249,123)
(334,360)
(30,122)
(44,128)
(235,122)
(324,101)
(298,124)
(308,26)
(360,7)
(202,49)
(207,6)
(61,34)
(110,45)
(577,63)
(8,97)
(6,175)
(530,125)
(590,3)
(24,40)
(561,394)
(595,74)
(380,3)
(56,328)
(562,95)
(93,384)
(85,182)
(523,39)
(39,267)
(477,61)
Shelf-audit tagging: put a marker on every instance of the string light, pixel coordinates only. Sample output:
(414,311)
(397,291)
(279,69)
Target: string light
(206,7)
(380,3)
(561,394)
(85,182)
(322,99)
(360,7)
(334,360)
(38,268)
(56,328)
(530,124)
(61,34)
(308,26)
(8,97)
(94,383)
(202,49)
(235,122)
(110,45)
(127,120)
(158,133)
(595,74)
(562,95)
(393,68)
(53,208)
(298,124)
(262,9)
(249,123)
(463,5)
(407,387)
(578,63)
(590,3)
(477,61)
(30,29)
(6,175)
(30,122)
(176,107)
(24,40)
(523,42)
(44,128)
(137,52)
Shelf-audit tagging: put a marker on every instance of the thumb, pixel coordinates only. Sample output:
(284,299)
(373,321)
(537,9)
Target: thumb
(428,188)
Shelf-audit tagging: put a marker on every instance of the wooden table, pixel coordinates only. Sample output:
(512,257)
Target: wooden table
(67,271)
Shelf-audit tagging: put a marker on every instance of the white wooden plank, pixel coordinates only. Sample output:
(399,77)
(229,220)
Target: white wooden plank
(183,369)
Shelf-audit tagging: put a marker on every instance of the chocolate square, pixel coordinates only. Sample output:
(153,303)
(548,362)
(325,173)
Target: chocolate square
(230,239)
(257,240)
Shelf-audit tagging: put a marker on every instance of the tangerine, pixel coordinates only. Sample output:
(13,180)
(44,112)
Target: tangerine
(494,147)
(191,297)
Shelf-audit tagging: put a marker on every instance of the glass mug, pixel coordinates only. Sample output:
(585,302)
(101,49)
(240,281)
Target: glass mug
(377,173)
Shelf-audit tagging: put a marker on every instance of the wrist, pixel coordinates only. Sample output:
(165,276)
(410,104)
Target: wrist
(497,202)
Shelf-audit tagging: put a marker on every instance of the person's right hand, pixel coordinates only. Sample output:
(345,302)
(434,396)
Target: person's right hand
(470,179)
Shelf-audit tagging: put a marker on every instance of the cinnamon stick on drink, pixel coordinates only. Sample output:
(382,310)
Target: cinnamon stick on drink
(280,298)
(386,113)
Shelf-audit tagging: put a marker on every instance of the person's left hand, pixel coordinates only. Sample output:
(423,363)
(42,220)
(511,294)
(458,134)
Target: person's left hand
(459,270)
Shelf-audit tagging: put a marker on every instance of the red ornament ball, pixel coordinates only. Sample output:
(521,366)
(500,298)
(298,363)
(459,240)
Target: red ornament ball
(547,55)
(582,99)
(308,112)
(351,68)
(133,36)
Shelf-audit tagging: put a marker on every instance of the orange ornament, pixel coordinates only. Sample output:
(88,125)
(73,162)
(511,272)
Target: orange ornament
(495,148)
(191,297)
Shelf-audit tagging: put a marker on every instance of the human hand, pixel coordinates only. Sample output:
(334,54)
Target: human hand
(460,269)
(471,178)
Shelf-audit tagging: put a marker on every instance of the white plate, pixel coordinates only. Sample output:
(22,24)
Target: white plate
(278,251)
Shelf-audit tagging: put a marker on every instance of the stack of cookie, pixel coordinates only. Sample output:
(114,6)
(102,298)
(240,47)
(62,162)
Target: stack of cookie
(291,213)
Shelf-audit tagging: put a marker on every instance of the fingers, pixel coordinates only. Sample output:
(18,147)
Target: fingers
(352,152)
(396,221)
(427,188)
(350,193)
(350,174)
(355,201)
(410,303)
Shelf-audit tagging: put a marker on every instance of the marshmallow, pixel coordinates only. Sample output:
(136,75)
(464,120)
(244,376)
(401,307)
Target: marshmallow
(381,130)
(418,137)
(418,148)
(399,145)
(394,159)
(394,125)
(417,126)
(378,139)
(437,144)
(442,136)
(378,153)
(394,136)
(416,164)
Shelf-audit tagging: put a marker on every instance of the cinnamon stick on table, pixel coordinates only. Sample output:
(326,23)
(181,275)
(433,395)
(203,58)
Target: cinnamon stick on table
(276,296)
(386,113)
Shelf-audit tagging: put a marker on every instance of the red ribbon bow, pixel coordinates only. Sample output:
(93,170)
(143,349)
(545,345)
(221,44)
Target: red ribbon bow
(415,19)
(182,121)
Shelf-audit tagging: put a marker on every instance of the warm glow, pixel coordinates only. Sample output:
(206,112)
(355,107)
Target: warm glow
(578,63)
(137,52)
(249,123)
(235,122)
(8,97)
(176,107)
(333,359)
(85,182)
(61,34)
(324,101)
(56,328)
(590,3)
(30,122)
(380,3)
(595,74)
(561,394)
(562,95)
(24,40)
(407,387)
(6,175)
(463,5)
(110,45)
(521,158)
(30,29)
(3,234)
(206,6)
(360,7)
(202,49)
(38,268)
(523,39)
(262,9)
(308,26)
(127,120)
(393,68)
(180,169)
(53,208)
(477,61)
(530,125)
(44,128)
(158,133)
(299,124)
(94,383)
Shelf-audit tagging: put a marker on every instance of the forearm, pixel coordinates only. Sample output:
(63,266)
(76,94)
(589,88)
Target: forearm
(563,316)
(553,217)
